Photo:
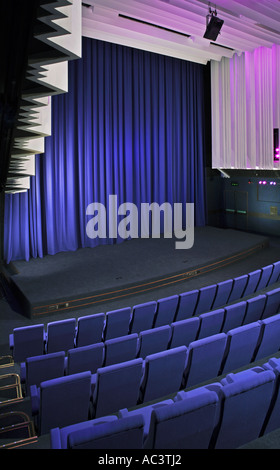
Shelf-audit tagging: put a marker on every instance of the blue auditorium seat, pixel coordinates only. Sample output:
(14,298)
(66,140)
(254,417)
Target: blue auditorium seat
(238,288)
(37,369)
(84,358)
(204,359)
(272,420)
(272,305)
(154,340)
(27,341)
(186,305)
(89,329)
(253,280)
(265,277)
(121,349)
(61,402)
(275,273)
(241,346)
(270,337)
(254,309)
(163,374)
(246,398)
(126,433)
(60,335)
(234,315)
(117,323)
(142,317)
(184,332)
(205,299)
(145,412)
(211,323)
(165,311)
(186,424)
(59,436)
(223,293)
(116,387)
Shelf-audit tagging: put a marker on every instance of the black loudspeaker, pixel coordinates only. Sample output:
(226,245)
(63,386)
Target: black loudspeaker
(213,28)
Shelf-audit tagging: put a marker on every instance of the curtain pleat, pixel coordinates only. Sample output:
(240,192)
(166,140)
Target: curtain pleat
(131,125)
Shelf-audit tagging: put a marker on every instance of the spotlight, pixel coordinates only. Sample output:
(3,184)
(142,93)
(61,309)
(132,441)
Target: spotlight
(213,25)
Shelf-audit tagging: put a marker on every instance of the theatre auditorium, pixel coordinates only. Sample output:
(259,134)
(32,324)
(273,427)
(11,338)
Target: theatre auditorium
(140,227)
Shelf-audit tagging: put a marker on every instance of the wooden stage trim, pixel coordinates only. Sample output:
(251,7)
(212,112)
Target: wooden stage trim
(69,305)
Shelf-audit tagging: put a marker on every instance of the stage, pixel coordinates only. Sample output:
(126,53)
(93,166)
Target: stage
(89,276)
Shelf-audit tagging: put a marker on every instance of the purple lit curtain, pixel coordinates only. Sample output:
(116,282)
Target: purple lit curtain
(132,124)
(245,92)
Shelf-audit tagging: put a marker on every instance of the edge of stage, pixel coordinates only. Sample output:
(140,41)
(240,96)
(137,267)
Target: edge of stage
(69,281)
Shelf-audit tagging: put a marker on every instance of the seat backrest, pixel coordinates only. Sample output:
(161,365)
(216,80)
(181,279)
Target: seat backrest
(90,329)
(117,323)
(121,349)
(270,337)
(275,273)
(123,433)
(28,341)
(85,358)
(64,401)
(234,315)
(184,332)
(253,280)
(61,335)
(204,359)
(166,310)
(163,373)
(142,317)
(272,420)
(211,323)
(265,276)
(223,293)
(272,305)
(44,367)
(239,285)
(117,387)
(241,346)
(154,340)
(254,309)
(246,399)
(205,299)
(186,305)
(186,424)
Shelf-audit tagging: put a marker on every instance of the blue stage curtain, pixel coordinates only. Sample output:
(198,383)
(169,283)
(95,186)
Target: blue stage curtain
(131,124)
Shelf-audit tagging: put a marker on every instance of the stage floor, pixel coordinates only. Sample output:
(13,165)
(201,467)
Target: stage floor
(88,276)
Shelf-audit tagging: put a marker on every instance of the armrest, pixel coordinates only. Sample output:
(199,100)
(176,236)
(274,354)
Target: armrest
(35,399)
(11,341)
(55,438)
(93,381)
(23,372)
(123,413)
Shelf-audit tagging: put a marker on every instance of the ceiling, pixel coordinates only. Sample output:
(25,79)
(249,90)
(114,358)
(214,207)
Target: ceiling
(176,27)
(40,36)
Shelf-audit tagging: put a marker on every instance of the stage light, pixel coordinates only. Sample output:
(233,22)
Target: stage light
(213,25)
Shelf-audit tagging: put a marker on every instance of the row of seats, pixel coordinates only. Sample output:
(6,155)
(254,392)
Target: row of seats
(43,367)
(221,415)
(142,380)
(61,333)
